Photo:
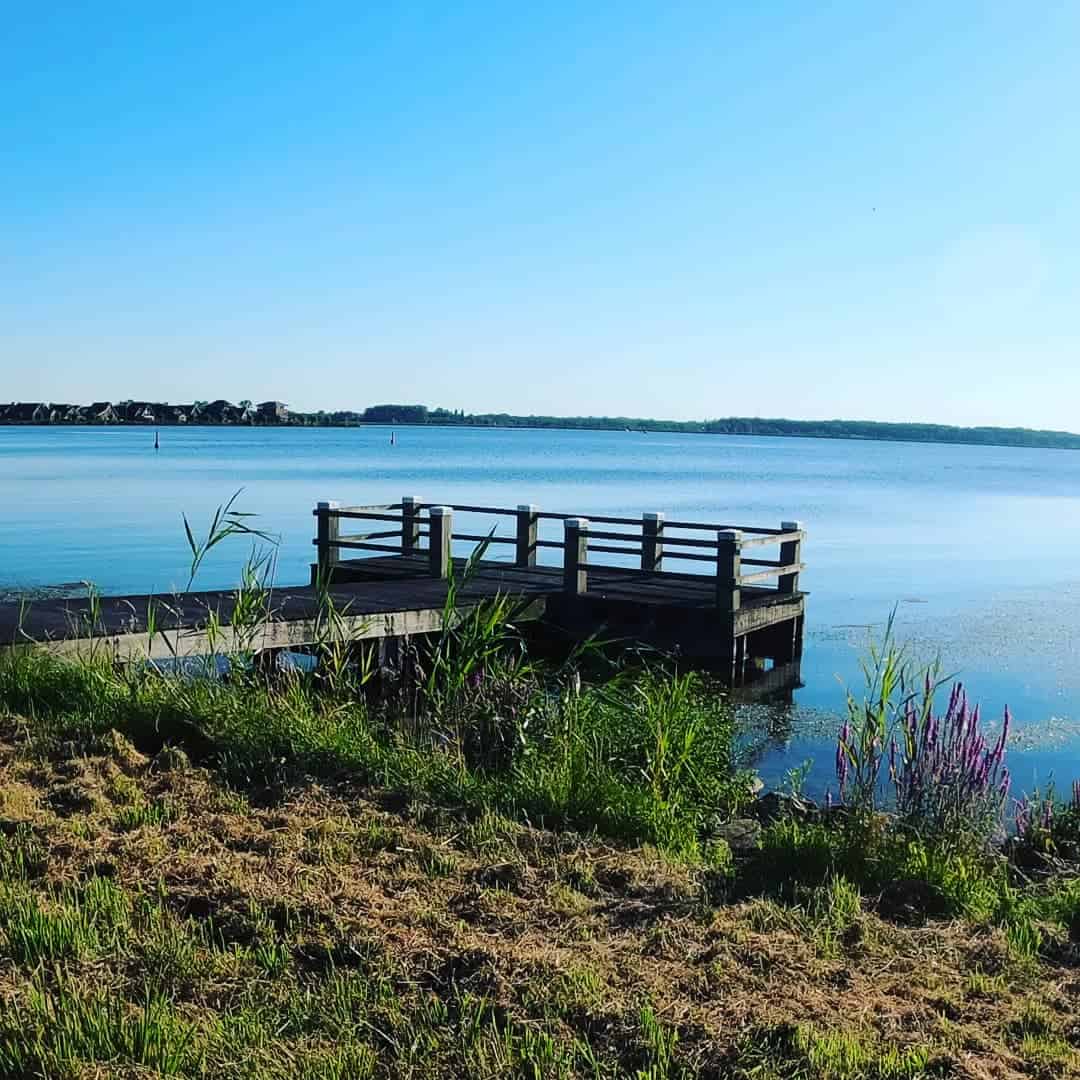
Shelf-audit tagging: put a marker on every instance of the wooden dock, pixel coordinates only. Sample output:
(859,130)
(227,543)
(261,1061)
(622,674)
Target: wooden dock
(739,613)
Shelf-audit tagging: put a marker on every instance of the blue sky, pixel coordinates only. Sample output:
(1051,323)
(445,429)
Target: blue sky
(680,210)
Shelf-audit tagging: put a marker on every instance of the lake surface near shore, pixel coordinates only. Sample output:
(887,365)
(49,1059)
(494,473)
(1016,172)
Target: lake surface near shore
(971,545)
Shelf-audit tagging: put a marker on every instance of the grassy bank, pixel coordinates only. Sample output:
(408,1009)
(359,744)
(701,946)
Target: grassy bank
(493,870)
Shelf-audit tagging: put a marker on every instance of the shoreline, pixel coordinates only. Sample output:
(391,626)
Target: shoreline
(659,429)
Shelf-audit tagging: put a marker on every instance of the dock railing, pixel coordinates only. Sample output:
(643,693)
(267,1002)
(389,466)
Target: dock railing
(652,542)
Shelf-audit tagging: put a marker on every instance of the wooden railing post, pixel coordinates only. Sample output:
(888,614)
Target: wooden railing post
(790,553)
(527,522)
(728,570)
(328,528)
(575,556)
(652,542)
(410,524)
(441,528)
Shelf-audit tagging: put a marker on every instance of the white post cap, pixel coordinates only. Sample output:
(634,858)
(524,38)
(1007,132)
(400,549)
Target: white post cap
(730,534)
(577,523)
(791,526)
(527,508)
(332,505)
(440,511)
(658,516)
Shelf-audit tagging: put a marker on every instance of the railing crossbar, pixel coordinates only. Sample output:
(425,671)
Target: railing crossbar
(343,511)
(777,571)
(776,538)
(382,535)
(722,528)
(600,534)
(365,515)
(481,538)
(611,549)
(545,515)
(359,545)
(689,556)
(462,508)
(687,541)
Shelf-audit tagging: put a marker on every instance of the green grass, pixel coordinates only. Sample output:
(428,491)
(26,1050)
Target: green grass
(59,925)
(145,815)
(22,855)
(1036,1036)
(641,759)
(55,1029)
(799,1052)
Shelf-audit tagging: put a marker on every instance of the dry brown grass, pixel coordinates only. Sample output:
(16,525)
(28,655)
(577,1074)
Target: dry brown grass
(548,928)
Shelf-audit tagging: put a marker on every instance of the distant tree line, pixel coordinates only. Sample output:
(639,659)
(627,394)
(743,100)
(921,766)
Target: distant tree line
(276,412)
(736,425)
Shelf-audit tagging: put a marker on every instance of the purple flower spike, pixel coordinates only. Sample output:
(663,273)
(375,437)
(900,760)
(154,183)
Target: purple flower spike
(949,778)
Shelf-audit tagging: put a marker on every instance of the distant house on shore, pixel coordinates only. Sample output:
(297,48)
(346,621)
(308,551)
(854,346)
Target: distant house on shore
(272,412)
(28,412)
(220,412)
(136,412)
(102,412)
(143,412)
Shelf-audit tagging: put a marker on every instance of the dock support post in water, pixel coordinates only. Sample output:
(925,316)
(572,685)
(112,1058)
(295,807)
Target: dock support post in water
(575,556)
(728,570)
(790,554)
(729,597)
(525,549)
(652,542)
(441,526)
(410,524)
(329,528)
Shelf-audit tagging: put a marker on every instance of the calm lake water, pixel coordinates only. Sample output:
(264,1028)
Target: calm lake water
(972,545)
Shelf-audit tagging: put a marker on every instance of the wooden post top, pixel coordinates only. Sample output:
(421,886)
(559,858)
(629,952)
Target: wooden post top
(331,505)
(577,523)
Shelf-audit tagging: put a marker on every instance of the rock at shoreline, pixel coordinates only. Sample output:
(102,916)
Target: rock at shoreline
(741,835)
(775,805)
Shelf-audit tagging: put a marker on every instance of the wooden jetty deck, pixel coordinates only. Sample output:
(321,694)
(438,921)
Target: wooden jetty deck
(610,575)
